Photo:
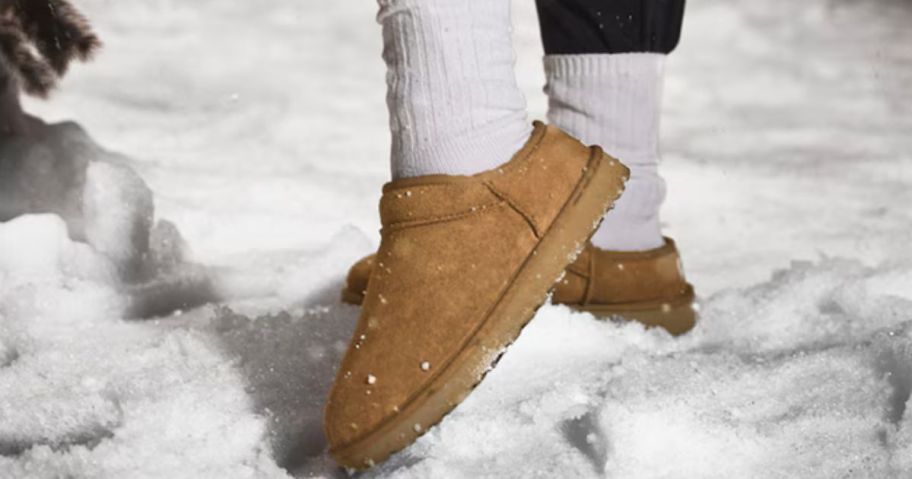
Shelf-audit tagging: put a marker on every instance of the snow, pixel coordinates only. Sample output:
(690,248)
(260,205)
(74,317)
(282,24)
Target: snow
(261,130)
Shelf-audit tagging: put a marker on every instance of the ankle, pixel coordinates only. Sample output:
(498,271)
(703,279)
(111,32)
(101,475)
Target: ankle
(621,234)
(464,153)
(454,104)
(633,224)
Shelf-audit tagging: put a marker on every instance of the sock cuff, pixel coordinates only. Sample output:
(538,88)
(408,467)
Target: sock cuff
(453,100)
(605,65)
(612,100)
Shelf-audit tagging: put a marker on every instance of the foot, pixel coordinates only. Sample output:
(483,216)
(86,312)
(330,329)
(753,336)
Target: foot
(648,286)
(464,263)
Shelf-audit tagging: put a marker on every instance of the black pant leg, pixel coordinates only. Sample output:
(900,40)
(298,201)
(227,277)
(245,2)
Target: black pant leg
(610,26)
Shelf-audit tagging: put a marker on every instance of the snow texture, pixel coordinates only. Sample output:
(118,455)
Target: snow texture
(261,129)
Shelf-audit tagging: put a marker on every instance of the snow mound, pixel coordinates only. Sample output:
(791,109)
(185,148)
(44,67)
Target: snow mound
(86,394)
(806,374)
(59,169)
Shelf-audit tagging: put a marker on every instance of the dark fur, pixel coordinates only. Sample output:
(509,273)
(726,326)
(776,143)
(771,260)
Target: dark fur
(39,39)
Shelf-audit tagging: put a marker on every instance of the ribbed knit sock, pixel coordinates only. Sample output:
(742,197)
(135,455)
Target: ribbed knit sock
(613,100)
(454,104)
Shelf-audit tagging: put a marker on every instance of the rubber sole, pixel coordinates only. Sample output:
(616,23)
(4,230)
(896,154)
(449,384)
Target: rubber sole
(601,184)
(677,316)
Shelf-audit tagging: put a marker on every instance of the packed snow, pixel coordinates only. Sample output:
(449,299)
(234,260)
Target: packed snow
(260,128)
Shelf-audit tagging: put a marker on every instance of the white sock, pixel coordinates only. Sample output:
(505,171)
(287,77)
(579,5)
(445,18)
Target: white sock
(613,100)
(454,104)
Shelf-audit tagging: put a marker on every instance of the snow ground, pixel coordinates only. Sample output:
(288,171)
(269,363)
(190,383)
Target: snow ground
(261,130)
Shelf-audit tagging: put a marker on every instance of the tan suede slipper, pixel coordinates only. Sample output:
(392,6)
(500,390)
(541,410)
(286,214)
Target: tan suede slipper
(463,264)
(647,286)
